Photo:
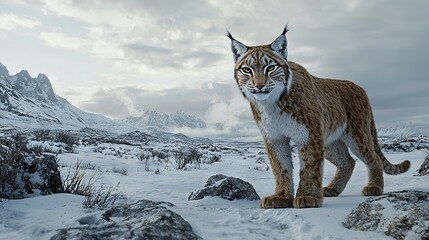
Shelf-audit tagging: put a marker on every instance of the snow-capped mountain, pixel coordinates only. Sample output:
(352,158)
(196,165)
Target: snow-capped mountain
(406,130)
(165,121)
(31,103)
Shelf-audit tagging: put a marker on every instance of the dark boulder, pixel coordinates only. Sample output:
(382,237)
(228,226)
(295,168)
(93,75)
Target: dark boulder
(20,178)
(141,220)
(46,176)
(397,214)
(424,168)
(229,188)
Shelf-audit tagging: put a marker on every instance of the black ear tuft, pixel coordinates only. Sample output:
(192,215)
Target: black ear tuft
(285,30)
(228,34)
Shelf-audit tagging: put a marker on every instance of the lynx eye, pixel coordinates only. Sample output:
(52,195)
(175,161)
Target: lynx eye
(246,70)
(271,68)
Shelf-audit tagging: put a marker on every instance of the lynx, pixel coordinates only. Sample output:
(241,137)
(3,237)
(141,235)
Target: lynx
(323,117)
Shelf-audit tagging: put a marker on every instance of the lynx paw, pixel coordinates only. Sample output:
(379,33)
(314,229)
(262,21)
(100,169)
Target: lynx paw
(276,201)
(330,192)
(307,202)
(372,191)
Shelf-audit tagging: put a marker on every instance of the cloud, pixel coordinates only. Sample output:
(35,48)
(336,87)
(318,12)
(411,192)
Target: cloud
(171,58)
(148,40)
(58,39)
(202,100)
(11,21)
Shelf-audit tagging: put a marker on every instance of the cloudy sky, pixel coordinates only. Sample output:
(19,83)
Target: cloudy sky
(119,57)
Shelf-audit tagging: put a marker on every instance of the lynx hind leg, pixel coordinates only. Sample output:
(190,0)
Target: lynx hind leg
(338,154)
(363,148)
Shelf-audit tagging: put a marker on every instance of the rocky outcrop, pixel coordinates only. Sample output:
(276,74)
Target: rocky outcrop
(32,103)
(22,170)
(34,173)
(141,220)
(229,188)
(424,168)
(404,144)
(45,175)
(397,214)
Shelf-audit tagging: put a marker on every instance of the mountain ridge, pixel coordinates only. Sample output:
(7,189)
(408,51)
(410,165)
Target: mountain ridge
(166,121)
(32,103)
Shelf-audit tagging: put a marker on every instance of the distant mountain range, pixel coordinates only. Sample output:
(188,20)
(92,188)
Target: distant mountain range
(31,103)
(162,120)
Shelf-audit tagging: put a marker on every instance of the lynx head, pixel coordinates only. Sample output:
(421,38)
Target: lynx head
(262,72)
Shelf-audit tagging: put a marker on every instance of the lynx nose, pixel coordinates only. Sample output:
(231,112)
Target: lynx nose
(259,86)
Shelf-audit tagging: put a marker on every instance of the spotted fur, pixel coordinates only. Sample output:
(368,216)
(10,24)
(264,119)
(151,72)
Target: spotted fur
(323,117)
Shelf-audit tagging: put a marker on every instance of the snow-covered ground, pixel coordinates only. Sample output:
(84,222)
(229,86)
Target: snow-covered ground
(211,218)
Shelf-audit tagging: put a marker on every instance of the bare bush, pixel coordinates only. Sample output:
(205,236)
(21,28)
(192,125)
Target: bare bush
(102,197)
(39,150)
(7,179)
(90,166)
(69,139)
(214,158)
(12,155)
(185,156)
(77,182)
(42,134)
(160,154)
(143,156)
(13,150)
(122,171)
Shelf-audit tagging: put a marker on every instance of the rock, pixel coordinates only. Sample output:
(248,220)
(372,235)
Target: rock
(46,176)
(424,168)
(20,178)
(141,220)
(229,188)
(404,144)
(397,214)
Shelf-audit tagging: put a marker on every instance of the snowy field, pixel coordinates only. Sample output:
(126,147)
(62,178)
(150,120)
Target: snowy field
(39,217)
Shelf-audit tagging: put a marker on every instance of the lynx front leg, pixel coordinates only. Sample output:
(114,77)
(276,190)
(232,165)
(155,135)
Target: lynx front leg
(280,156)
(309,192)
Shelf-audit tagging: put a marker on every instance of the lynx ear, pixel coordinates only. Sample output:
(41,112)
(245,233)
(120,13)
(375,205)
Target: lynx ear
(238,49)
(279,46)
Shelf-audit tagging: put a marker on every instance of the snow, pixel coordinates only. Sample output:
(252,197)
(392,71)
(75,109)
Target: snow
(211,218)
(34,218)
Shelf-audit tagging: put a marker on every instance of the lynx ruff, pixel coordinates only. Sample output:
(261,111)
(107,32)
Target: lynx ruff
(323,117)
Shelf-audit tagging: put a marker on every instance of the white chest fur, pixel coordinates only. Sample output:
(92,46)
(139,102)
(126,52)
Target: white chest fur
(276,124)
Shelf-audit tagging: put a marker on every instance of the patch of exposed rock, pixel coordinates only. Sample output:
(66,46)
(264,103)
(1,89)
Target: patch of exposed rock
(404,144)
(229,188)
(424,168)
(141,220)
(401,215)
(20,178)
